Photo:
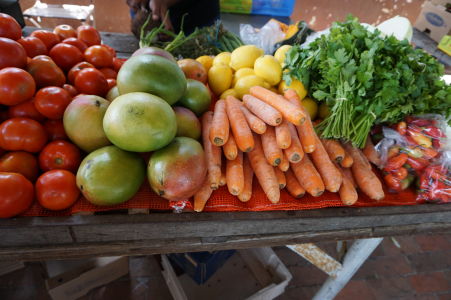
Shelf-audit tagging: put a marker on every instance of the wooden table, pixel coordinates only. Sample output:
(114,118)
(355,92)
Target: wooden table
(41,238)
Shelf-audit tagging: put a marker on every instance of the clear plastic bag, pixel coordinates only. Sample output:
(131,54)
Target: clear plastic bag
(265,38)
(435,181)
(409,147)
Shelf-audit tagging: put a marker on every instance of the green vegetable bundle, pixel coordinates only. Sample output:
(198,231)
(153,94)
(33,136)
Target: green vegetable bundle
(209,40)
(366,79)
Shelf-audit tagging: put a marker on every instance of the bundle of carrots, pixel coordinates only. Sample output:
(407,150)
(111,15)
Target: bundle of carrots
(272,136)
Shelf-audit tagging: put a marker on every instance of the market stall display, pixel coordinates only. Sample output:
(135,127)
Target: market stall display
(251,107)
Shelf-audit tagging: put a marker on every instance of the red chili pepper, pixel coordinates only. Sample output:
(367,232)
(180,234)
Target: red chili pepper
(436,143)
(419,138)
(424,182)
(433,132)
(396,162)
(420,122)
(428,153)
(392,182)
(400,173)
(401,128)
(417,164)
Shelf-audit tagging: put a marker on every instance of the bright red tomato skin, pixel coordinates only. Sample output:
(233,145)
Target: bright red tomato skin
(55,130)
(88,34)
(60,155)
(22,134)
(17,194)
(57,190)
(52,102)
(49,38)
(45,72)
(12,54)
(20,162)
(25,110)
(16,86)
(70,89)
(65,31)
(99,56)
(65,55)
(91,81)
(75,69)
(33,46)
(9,28)
(77,43)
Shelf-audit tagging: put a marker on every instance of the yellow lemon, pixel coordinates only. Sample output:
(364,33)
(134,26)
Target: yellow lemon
(296,85)
(268,68)
(241,73)
(219,78)
(229,92)
(323,111)
(281,53)
(243,84)
(245,56)
(222,58)
(311,107)
(206,61)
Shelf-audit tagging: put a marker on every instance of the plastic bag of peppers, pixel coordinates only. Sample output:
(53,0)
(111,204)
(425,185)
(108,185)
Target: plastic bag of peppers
(412,153)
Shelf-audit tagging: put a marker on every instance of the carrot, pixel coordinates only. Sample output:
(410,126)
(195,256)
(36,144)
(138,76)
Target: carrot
(329,173)
(219,132)
(272,152)
(222,179)
(289,111)
(370,152)
(308,176)
(294,152)
(306,131)
(283,136)
(256,125)
(347,191)
(334,149)
(230,150)
(348,173)
(246,193)
(280,178)
(284,163)
(347,160)
(264,172)
(265,112)
(365,178)
(202,195)
(212,152)
(235,175)
(241,131)
(293,186)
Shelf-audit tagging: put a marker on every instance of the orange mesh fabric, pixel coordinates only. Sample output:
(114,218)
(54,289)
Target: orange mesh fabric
(221,200)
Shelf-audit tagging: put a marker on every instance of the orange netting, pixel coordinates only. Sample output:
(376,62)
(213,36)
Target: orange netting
(221,200)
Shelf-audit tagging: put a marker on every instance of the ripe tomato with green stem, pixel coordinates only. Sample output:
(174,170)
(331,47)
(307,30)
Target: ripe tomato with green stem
(60,154)
(57,189)
(20,162)
(17,194)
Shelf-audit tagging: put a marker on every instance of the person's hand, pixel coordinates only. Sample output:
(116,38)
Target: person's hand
(159,10)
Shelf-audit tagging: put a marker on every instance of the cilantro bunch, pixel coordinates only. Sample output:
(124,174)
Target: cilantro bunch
(367,79)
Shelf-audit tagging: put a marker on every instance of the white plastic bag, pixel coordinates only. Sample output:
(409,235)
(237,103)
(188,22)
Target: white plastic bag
(264,38)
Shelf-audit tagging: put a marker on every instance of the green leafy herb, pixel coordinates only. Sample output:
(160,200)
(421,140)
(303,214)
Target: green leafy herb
(367,79)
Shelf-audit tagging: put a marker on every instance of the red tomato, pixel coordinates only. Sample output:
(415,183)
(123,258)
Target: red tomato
(52,101)
(12,54)
(70,89)
(92,82)
(65,31)
(49,38)
(117,63)
(33,46)
(17,194)
(25,110)
(109,73)
(99,56)
(55,130)
(16,86)
(3,113)
(88,34)
(45,72)
(60,155)
(77,43)
(22,134)
(9,28)
(111,83)
(65,55)
(20,162)
(111,49)
(75,69)
(57,189)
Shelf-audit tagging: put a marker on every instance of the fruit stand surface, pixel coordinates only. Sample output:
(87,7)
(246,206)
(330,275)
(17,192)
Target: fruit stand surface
(258,223)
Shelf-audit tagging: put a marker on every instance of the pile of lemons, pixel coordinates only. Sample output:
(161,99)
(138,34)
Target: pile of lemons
(247,66)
